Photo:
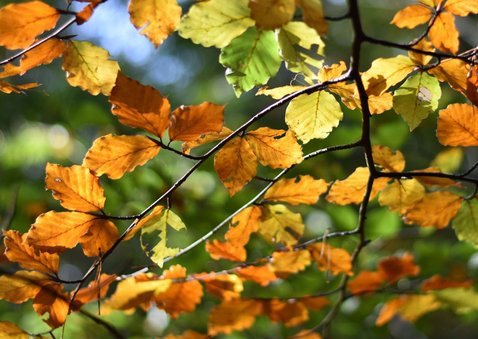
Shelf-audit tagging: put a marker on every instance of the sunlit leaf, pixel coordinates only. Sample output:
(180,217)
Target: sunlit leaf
(224,286)
(9,330)
(205,138)
(101,235)
(303,189)
(225,250)
(408,307)
(8,88)
(243,224)
(85,14)
(270,14)
(233,315)
(289,313)
(279,224)
(401,195)
(393,269)
(331,259)
(465,223)
(412,16)
(388,160)
(284,263)
(460,300)
(420,58)
(278,92)
(262,275)
(454,72)
(461,7)
(95,289)
(458,125)
(365,282)
(50,299)
(21,286)
(443,34)
(313,14)
(472,85)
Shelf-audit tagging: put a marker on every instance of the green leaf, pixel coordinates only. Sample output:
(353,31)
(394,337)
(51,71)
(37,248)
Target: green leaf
(154,231)
(281,225)
(465,223)
(296,43)
(215,22)
(460,300)
(417,98)
(313,116)
(251,59)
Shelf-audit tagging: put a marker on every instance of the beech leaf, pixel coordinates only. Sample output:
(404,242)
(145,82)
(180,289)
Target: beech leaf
(303,189)
(458,125)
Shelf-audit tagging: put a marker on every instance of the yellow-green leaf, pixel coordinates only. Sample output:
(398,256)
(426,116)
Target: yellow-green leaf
(271,14)
(465,223)
(400,195)
(281,225)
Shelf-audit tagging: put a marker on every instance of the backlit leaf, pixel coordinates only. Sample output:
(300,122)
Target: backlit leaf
(461,7)
(454,72)
(408,307)
(472,85)
(313,14)
(224,286)
(289,313)
(284,263)
(420,58)
(189,122)
(115,155)
(75,187)
(101,235)
(243,224)
(95,289)
(412,16)
(388,160)
(393,269)
(331,259)
(8,88)
(281,225)
(140,106)
(275,148)
(233,315)
(50,299)
(88,66)
(236,164)
(465,223)
(278,92)
(449,160)
(21,23)
(270,14)
(365,282)
(262,275)
(9,330)
(156,19)
(401,195)
(85,14)
(443,34)
(251,59)
(458,125)
(303,189)
(205,138)
(21,286)
(225,250)
(313,116)
(438,282)
(215,22)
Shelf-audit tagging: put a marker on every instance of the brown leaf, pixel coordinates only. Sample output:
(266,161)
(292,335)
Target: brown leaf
(290,313)
(434,181)
(189,122)
(472,85)
(233,315)
(21,23)
(101,235)
(443,34)
(412,16)
(365,282)
(19,251)
(333,259)
(115,155)
(75,187)
(263,275)
(393,269)
(438,282)
(284,263)
(85,14)
(458,125)
(225,250)
(303,189)
(243,225)
(140,106)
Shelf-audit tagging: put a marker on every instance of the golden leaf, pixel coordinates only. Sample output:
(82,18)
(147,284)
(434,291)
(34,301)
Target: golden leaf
(225,250)
(140,106)
(205,138)
(284,263)
(387,159)
(156,19)
(115,155)
(461,7)
(290,313)
(224,286)
(96,289)
(401,195)
(412,16)
(75,187)
(458,125)
(443,34)
(243,225)
(263,275)
(21,286)
(409,307)
(9,330)
(420,58)
(278,92)
(233,315)
(303,189)
(313,14)
(333,259)
(50,299)
(472,85)
(279,224)
(101,235)
(8,88)
(454,72)
(271,14)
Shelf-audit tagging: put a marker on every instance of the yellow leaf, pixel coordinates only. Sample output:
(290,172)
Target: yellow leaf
(243,224)
(436,209)
(303,189)
(189,122)
(409,307)
(385,73)
(233,315)
(443,34)
(454,72)
(313,14)
(331,72)
(458,125)
(387,159)
(313,116)
(331,259)
(401,195)
(140,106)
(284,263)
(236,164)
(21,286)
(279,224)
(278,92)
(205,138)
(449,160)
(434,181)
(88,66)
(156,19)
(75,187)
(461,7)
(271,14)
(19,251)
(352,189)
(290,313)
(275,148)
(393,269)
(115,155)
(9,330)
(21,23)
(101,235)
(412,16)
(225,250)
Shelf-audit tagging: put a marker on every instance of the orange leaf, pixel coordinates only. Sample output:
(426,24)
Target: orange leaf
(333,259)
(303,189)
(275,148)
(21,23)
(409,307)
(284,263)
(9,330)
(243,224)
(306,334)
(140,106)
(454,72)
(458,125)
(434,181)
(233,315)
(436,209)
(352,189)
(75,187)
(236,164)
(189,122)
(290,313)
(420,58)
(412,16)
(8,88)
(331,72)
(187,335)
(313,14)
(387,159)
(115,155)
(461,7)
(225,250)
(41,55)
(393,269)
(156,19)
(96,289)
(472,85)
(365,282)
(179,297)
(443,34)
(21,286)
(204,139)
(224,286)
(19,251)
(85,14)
(57,231)
(53,301)
(101,235)
(315,303)
(263,275)
(438,282)
(271,14)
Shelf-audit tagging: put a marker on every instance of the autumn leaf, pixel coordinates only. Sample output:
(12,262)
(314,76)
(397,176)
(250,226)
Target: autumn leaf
(115,155)
(303,189)
(9,330)
(313,14)
(472,85)
(412,16)
(154,228)
(263,275)
(465,223)
(204,139)
(421,58)
(365,282)
(434,181)
(388,160)
(443,34)
(233,315)
(460,300)
(280,225)
(461,7)
(18,250)
(88,66)
(458,125)
(224,286)
(190,122)
(284,263)
(408,307)
(290,313)
(50,299)
(187,335)
(438,282)
(225,250)
(449,160)
(8,88)
(140,106)
(271,14)
(235,164)
(393,269)
(101,236)
(275,148)
(243,225)
(156,19)
(454,72)
(331,259)
(215,22)
(85,14)
(21,286)
(95,289)
(180,297)
(278,92)
(401,195)
(21,23)
(75,187)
